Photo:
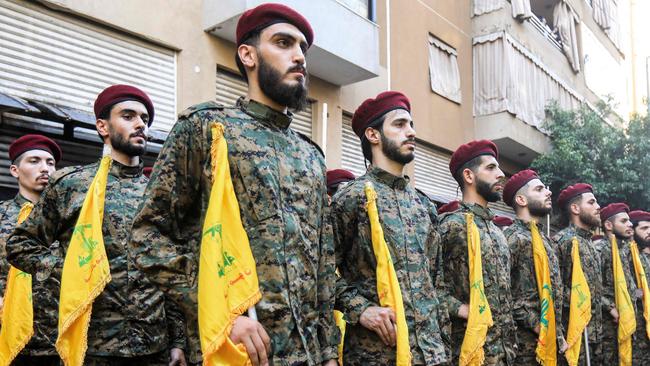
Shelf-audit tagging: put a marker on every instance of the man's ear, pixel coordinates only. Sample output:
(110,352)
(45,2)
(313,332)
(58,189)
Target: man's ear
(521,200)
(372,135)
(468,176)
(247,55)
(609,226)
(13,169)
(574,208)
(102,128)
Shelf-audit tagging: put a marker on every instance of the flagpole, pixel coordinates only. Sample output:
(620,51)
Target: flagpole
(587,347)
(252,313)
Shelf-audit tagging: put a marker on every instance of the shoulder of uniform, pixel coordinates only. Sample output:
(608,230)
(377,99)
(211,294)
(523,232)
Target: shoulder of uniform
(210,105)
(351,190)
(65,172)
(310,141)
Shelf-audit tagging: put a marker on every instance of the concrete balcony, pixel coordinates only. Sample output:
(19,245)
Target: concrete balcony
(346,45)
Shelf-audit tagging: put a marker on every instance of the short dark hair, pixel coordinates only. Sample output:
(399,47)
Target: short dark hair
(471,165)
(252,40)
(377,124)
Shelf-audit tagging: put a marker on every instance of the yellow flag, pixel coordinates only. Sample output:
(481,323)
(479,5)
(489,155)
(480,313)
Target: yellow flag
(85,272)
(480,314)
(340,322)
(626,316)
(642,283)
(579,308)
(18,312)
(546,351)
(388,288)
(228,283)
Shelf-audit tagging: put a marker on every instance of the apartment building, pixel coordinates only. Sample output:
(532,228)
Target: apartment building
(472,69)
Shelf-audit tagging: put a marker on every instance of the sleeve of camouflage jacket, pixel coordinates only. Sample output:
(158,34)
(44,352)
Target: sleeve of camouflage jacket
(328,332)
(175,326)
(523,283)
(454,257)
(609,301)
(157,240)
(348,300)
(30,246)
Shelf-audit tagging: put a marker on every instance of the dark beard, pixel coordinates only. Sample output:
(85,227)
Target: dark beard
(642,243)
(270,79)
(123,145)
(589,220)
(485,190)
(391,150)
(538,209)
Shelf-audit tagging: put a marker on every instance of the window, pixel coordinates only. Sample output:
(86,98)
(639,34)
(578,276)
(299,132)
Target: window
(443,70)
(365,8)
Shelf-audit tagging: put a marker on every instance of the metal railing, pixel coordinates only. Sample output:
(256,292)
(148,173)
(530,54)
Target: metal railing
(546,31)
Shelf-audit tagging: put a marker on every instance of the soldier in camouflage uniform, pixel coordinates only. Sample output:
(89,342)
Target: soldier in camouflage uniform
(33,159)
(279,180)
(128,323)
(616,221)
(581,209)
(530,199)
(388,141)
(474,166)
(641,347)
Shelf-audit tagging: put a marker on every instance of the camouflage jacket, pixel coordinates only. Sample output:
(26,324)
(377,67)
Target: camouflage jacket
(527,305)
(495,254)
(45,294)
(604,247)
(128,318)
(591,266)
(279,179)
(417,257)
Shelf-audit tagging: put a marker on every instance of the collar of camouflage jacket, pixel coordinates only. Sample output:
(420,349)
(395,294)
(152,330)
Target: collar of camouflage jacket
(20,200)
(265,113)
(478,210)
(387,178)
(526,225)
(585,234)
(124,171)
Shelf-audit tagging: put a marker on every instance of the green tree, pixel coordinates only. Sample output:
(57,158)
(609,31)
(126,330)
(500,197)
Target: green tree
(613,160)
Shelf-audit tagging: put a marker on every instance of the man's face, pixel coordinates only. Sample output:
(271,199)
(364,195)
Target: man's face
(33,169)
(588,210)
(127,127)
(642,233)
(489,179)
(398,137)
(621,226)
(282,69)
(538,198)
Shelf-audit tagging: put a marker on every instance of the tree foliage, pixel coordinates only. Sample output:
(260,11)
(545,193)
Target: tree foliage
(613,160)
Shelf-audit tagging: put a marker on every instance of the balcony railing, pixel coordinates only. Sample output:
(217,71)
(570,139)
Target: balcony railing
(546,31)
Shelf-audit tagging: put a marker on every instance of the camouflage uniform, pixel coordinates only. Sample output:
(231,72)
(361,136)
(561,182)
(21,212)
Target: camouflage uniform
(610,328)
(279,179)
(500,345)
(524,289)
(40,349)
(415,249)
(128,318)
(591,266)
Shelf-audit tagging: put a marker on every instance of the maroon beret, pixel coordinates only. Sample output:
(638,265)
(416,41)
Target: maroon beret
(371,109)
(613,209)
(265,15)
(449,207)
(515,183)
(147,171)
(471,150)
(119,93)
(502,221)
(639,215)
(34,142)
(597,237)
(335,176)
(572,192)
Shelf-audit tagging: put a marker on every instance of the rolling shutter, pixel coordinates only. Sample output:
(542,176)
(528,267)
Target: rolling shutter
(53,60)
(231,86)
(351,155)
